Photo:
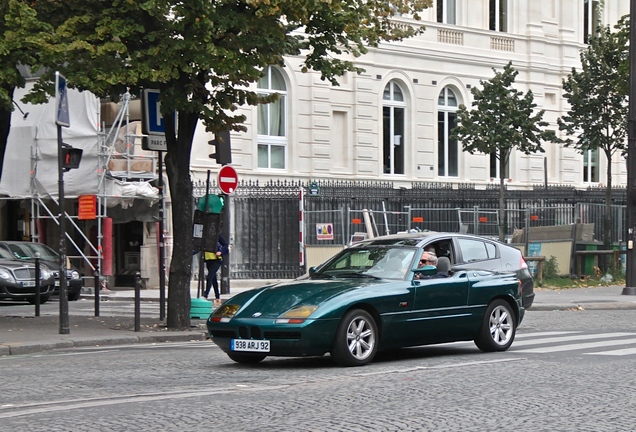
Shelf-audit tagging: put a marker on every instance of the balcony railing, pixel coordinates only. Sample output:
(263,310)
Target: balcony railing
(452,37)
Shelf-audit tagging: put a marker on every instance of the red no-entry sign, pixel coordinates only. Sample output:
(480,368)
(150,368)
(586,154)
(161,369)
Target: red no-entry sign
(227,179)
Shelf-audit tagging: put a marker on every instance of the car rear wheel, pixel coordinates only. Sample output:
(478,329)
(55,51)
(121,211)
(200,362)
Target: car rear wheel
(498,328)
(246,358)
(356,341)
(43,299)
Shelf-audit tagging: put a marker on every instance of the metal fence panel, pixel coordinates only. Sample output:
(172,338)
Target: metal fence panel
(434,219)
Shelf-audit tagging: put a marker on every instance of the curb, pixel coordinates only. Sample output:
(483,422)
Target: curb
(22,348)
(611,305)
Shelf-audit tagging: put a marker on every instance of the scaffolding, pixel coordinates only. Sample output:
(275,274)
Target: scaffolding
(116,170)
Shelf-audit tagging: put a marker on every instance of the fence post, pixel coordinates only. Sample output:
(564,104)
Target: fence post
(97,288)
(476,219)
(37,284)
(137,301)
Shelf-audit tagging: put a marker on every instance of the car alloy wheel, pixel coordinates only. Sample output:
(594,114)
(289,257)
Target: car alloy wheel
(356,339)
(498,328)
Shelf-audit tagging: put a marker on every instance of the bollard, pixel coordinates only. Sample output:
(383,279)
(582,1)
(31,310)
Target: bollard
(97,289)
(37,284)
(137,301)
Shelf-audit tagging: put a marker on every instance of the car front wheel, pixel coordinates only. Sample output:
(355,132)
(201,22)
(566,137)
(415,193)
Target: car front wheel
(356,341)
(498,327)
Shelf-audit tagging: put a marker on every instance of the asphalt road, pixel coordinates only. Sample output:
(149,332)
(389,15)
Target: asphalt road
(566,371)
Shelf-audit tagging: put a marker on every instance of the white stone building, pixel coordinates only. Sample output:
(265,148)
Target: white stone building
(392,122)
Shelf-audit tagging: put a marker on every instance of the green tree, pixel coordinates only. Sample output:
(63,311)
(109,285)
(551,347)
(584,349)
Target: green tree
(20,45)
(597,97)
(502,119)
(203,55)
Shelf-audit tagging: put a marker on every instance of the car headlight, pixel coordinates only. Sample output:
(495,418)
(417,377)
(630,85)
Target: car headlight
(74,274)
(6,275)
(45,272)
(224,313)
(296,315)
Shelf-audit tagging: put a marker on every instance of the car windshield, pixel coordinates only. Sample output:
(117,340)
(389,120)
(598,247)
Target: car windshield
(371,261)
(27,251)
(4,254)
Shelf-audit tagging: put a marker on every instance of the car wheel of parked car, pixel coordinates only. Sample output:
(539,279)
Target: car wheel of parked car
(246,358)
(43,299)
(356,339)
(74,296)
(498,328)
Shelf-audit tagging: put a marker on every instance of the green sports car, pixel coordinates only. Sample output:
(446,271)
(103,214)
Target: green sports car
(369,298)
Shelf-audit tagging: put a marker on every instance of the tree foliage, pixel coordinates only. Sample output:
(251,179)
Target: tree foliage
(203,55)
(502,119)
(597,95)
(20,44)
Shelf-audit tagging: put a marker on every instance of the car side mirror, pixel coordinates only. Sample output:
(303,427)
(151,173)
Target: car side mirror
(427,270)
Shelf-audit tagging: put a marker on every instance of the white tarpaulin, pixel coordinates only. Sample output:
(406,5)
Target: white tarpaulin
(37,136)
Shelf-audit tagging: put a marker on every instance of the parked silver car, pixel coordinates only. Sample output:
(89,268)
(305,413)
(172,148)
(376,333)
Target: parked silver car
(25,251)
(17,280)
(469,252)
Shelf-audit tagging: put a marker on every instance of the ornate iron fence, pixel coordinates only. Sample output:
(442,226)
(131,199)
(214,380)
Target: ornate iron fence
(267,226)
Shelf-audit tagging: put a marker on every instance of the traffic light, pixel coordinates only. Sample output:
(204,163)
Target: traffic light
(223,150)
(71,157)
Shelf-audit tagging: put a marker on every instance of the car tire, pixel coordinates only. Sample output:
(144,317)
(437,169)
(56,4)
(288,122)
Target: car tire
(74,296)
(498,328)
(246,358)
(43,299)
(356,341)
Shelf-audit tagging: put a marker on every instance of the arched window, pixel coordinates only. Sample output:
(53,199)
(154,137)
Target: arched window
(393,127)
(272,124)
(447,148)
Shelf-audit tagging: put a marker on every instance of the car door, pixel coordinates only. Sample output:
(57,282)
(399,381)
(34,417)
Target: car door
(439,309)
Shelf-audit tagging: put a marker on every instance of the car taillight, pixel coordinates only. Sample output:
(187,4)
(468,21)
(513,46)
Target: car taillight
(523,263)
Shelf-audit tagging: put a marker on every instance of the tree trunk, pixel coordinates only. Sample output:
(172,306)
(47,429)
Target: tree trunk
(607,222)
(502,209)
(503,162)
(178,170)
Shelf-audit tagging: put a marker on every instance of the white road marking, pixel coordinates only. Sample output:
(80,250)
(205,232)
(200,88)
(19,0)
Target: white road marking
(574,347)
(570,338)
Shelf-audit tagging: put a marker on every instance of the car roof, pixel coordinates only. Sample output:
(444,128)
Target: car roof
(418,238)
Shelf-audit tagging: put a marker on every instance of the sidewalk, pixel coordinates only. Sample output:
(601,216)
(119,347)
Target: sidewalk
(25,334)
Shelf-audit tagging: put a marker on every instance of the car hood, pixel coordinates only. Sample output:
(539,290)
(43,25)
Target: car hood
(277,299)
(13,264)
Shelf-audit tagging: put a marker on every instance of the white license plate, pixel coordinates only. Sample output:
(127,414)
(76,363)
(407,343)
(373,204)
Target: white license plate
(250,345)
(57,283)
(28,283)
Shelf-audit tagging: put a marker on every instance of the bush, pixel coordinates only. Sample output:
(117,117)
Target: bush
(551,268)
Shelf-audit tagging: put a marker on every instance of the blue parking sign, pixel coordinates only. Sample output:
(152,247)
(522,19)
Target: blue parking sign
(153,120)
(62,117)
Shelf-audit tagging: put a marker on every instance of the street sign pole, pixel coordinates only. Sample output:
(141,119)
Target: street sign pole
(62,119)
(227,180)
(225,232)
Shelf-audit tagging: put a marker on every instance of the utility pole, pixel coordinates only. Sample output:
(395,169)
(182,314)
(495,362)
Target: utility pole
(630,278)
